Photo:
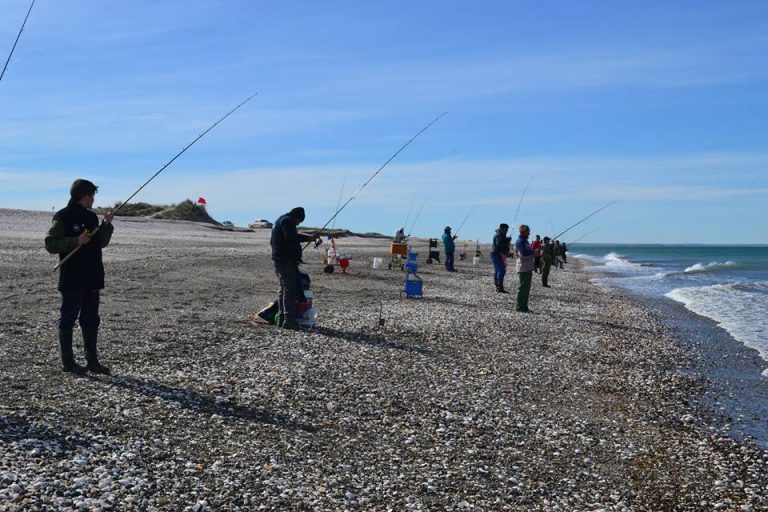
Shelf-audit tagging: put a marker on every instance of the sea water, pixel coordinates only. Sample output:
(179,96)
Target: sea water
(726,284)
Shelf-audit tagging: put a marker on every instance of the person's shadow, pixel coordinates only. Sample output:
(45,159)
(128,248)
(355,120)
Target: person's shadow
(374,340)
(204,405)
(15,428)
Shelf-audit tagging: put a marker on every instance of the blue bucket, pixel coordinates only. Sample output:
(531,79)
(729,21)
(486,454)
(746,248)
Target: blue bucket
(413,288)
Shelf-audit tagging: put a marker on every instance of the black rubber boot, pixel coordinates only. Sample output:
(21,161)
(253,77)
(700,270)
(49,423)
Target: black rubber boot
(501,287)
(67,356)
(90,337)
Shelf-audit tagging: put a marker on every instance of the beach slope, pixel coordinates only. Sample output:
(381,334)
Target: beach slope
(456,403)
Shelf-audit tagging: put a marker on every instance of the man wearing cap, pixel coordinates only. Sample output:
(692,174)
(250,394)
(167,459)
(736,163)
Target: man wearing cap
(449,247)
(286,255)
(498,256)
(524,267)
(81,278)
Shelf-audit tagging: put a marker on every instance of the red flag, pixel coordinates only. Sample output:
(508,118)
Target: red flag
(201,200)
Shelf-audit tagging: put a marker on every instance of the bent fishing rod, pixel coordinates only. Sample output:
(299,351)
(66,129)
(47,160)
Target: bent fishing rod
(585,218)
(158,173)
(456,234)
(522,196)
(8,60)
(339,210)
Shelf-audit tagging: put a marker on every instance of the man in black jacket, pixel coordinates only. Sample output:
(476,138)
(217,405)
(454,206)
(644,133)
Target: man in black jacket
(82,276)
(286,254)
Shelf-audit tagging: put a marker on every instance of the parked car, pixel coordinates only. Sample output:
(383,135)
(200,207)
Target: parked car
(260,223)
(227,224)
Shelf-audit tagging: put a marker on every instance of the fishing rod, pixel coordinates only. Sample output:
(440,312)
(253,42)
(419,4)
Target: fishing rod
(418,214)
(519,203)
(585,218)
(338,202)
(456,234)
(410,209)
(8,60)
(338,211)
(158,172)
(585,236)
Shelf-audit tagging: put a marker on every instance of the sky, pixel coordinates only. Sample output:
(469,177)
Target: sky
(661,106)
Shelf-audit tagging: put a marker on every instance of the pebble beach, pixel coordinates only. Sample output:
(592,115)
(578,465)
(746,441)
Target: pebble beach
(456,402)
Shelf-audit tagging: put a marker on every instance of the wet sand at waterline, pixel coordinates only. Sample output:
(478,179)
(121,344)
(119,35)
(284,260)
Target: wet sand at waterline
(456,403)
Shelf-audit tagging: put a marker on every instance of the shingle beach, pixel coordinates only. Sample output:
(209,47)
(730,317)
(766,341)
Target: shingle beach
(456,403)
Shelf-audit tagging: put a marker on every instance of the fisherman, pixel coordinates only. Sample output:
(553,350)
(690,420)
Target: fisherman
(286,254)
(449,247)
(499,256)
(399,236)
(558,252)
(524,267)
(82,277)
(564,249)
(546,254)
(537,259)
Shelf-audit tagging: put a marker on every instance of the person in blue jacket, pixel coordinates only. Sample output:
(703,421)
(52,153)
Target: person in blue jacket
(499,254)
(449,247)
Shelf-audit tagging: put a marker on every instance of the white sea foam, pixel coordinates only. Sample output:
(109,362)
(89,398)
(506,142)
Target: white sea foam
(736,309)
(589,257)
(700,267)
(619,262)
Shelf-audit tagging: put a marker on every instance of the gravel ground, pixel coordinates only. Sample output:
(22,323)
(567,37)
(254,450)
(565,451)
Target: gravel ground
(456,403)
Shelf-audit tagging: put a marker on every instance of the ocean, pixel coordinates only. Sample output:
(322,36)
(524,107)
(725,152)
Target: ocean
(726,284)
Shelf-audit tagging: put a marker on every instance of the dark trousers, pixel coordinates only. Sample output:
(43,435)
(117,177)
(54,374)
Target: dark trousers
(82,304)
(288,275)
(545,266)
(523,290)
(448,261)
(499,269)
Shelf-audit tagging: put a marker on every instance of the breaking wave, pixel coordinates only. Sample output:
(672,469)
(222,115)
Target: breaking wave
(738,308)
(715,265)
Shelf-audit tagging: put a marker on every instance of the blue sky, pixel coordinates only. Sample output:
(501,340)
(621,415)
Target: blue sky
(660,105)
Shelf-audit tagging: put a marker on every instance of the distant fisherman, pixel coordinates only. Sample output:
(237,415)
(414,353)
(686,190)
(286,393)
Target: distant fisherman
(499,254)
(399,236)
(547,255)
(82,276)
(286,255)
(449,246)
(537,258)
(524,267)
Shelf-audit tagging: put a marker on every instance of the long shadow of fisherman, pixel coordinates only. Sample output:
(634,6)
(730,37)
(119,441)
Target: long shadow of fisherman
(603,323)
(204,405)
(374,340)
(15,428)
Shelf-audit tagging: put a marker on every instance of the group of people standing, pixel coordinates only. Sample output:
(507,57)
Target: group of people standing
(529,258)
(81,278)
